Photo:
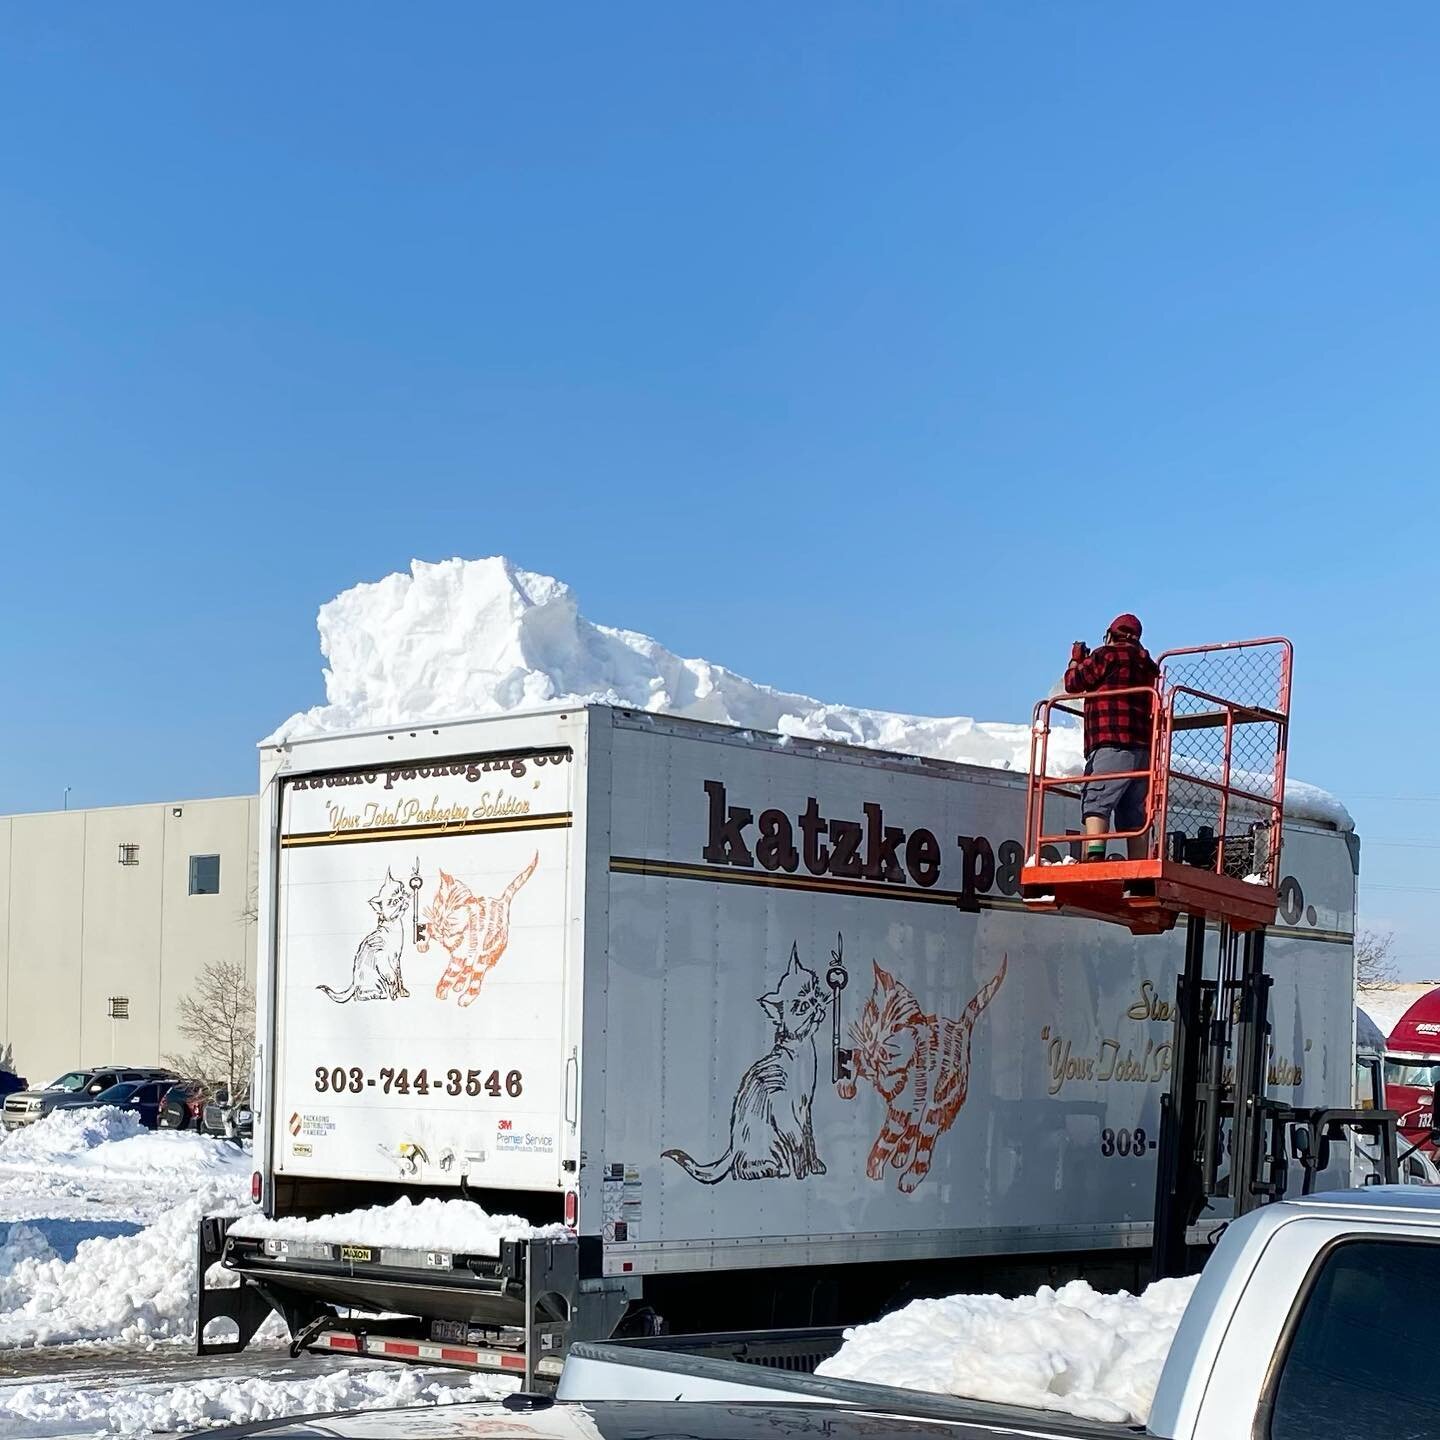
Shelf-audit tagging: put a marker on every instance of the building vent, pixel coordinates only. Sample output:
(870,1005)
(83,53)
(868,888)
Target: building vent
(119,1007)
(129,854)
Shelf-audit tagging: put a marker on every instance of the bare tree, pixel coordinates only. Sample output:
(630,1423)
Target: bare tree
(1374,968)
(217,1022)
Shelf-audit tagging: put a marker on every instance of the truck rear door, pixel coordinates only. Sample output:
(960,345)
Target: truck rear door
(421,949)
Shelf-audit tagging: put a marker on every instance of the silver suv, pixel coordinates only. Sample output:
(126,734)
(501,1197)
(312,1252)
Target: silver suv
(27,1106)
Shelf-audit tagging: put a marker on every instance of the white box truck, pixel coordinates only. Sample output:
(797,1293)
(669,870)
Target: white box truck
(758,1025)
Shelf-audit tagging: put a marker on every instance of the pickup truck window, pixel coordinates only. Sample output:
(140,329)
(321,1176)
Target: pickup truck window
(1360,1353)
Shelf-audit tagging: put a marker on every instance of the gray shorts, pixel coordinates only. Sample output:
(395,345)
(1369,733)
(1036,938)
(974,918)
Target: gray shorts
(1124,799)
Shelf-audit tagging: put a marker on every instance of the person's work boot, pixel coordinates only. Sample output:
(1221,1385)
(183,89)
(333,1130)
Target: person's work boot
(1095,850)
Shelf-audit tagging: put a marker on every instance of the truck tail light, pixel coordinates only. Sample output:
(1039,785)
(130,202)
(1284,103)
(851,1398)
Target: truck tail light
(572,1209)
(255,1184)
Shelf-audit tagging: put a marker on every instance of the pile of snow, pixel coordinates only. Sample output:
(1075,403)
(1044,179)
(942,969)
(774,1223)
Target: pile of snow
(47,1408)
(128,1288)
(88,1164)
(1072,1349)
(67,1134)
(22,1242)
(456,1225)
(114,1140)
(482,637)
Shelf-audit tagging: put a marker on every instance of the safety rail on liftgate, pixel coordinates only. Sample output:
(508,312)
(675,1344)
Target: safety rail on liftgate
(1214,808)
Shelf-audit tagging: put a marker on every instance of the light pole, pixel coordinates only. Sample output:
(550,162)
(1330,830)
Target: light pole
(65,803)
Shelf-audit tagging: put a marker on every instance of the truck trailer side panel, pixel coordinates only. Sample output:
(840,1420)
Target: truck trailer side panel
(833,1034)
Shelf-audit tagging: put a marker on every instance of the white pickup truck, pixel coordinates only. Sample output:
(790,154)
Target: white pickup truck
(1313,1320)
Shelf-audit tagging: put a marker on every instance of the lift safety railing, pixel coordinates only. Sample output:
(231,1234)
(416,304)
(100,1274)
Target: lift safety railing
(1215,782)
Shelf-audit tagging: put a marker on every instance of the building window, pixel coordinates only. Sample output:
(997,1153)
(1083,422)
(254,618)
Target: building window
(129,854)
(119,1007)
(204,874)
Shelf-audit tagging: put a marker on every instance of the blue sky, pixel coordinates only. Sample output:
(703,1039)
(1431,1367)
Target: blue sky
(873,350)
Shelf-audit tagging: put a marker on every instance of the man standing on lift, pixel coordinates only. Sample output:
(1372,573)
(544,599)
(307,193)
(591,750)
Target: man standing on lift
(1117,734)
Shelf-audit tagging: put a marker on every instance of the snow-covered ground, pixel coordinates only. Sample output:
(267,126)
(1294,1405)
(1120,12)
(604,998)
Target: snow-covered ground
(98,1293)
(125,1400)
(1071,1349)
(467,638)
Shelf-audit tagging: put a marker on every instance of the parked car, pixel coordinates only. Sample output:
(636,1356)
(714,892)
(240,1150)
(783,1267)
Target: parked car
(183,1106)
(220,1117)
(141,1097)
(10,1082)
(25,1107)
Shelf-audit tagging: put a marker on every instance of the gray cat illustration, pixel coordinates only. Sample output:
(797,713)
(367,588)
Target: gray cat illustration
(771,1136)
(376,975)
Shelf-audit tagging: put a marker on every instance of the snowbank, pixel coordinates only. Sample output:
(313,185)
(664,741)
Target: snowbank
(93,1172)
(1072,1349)
(114,1140)
(129,1288)
(66,1134)
(481,637)
(79,1169)
(45,1408)
(457,1225)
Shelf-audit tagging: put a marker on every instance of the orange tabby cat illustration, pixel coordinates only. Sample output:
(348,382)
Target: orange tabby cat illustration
(920,1064)
(475,929)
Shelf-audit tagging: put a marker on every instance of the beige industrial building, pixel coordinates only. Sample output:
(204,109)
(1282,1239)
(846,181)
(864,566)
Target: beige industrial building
(106,918)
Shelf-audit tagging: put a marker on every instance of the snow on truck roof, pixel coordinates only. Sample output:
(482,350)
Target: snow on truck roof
(473,639)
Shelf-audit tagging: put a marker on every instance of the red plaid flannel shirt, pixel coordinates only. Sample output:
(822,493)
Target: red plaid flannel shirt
(1123,720)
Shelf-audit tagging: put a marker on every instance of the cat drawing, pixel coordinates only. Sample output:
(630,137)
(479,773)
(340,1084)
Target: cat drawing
(376,975)
(771,1135)
(920,1064)
(475,929)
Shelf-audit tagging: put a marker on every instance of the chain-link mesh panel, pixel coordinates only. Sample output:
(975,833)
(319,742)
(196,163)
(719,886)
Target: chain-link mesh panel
(1227,709)
(1255,675)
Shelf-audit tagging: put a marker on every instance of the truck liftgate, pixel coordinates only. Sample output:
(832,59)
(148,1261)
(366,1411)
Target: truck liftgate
(514,1313)
(1213,829)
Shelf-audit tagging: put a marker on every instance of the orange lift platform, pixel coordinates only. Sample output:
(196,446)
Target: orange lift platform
(1214,807)
(1214,811)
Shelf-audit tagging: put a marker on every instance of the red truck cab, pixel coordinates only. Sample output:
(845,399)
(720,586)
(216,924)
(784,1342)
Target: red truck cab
(1412,1068)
